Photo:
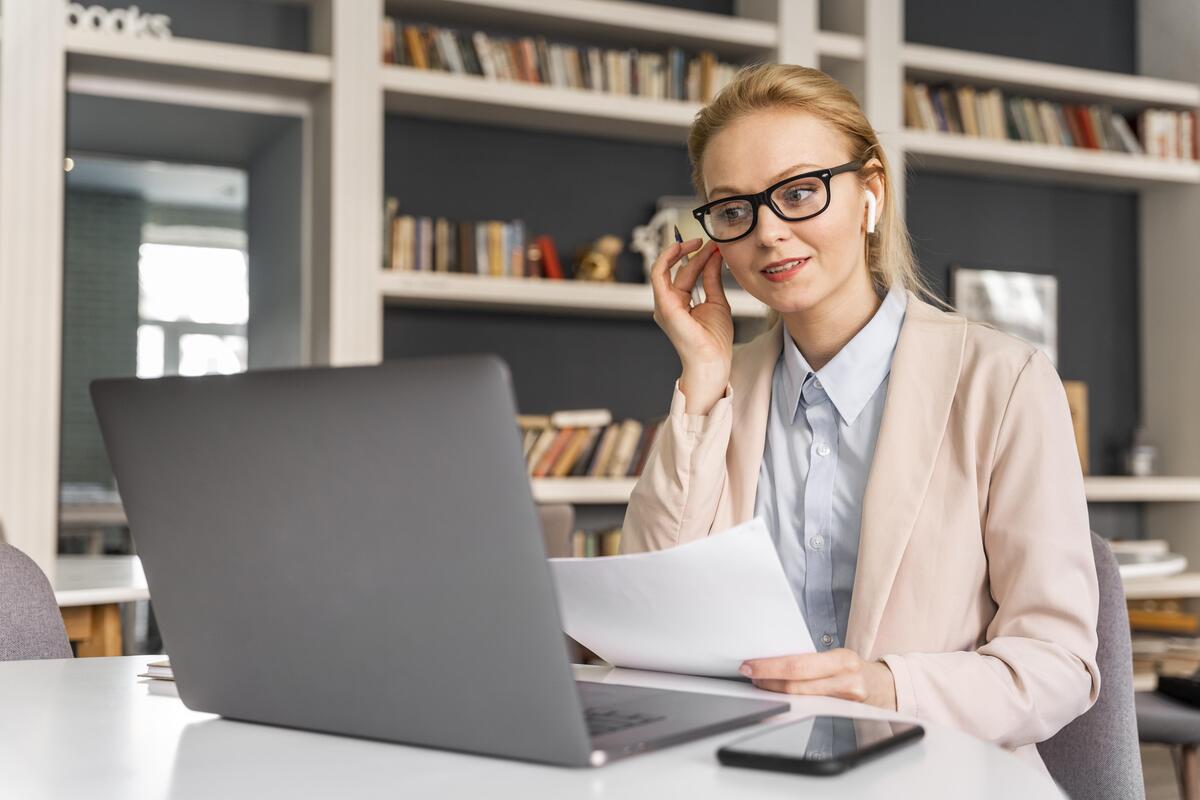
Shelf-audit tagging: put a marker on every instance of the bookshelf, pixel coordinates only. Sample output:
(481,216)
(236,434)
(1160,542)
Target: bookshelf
(195,62)
(1052,81)
(952,152)
(343,91)
(451,290)
(470,98)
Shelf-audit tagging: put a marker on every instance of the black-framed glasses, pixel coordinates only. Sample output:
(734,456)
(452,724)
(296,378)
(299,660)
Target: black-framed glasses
(793,199)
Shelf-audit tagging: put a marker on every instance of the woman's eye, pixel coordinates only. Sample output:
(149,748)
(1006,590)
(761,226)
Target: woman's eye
(797,194)
(731,213)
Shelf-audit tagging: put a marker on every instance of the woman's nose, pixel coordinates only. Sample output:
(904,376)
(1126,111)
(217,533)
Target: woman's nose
(770,228)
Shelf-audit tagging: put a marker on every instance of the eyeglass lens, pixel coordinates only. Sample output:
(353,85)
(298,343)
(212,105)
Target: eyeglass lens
(798,199)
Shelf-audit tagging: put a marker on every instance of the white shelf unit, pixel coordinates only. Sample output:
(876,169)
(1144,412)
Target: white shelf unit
(471,98)
(194,62)
(1050,81)
(1000,158)
(1156,489)
(1183,585)
(583,491)
(629,23)
(538,295)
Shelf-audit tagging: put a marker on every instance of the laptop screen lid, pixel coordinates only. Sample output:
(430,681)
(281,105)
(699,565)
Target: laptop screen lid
(353,550)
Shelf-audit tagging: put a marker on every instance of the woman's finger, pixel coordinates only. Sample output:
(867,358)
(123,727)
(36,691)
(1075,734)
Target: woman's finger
(686,277)
(803,666)
(714,291)
(660,277)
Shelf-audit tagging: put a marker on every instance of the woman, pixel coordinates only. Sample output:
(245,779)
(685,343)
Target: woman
(918,472)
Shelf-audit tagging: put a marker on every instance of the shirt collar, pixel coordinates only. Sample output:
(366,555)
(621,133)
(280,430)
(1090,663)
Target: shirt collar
(852,376)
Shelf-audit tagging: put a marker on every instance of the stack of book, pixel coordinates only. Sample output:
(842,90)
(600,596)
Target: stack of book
(993,114)
(586,544)
(586,443)
(491,247)
(1176,656)
(669,75)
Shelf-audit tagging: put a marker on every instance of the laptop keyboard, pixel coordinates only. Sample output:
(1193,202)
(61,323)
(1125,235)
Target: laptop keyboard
(601,721)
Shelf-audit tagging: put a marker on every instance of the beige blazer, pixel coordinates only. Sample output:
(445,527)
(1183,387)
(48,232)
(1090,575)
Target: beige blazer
(975,579)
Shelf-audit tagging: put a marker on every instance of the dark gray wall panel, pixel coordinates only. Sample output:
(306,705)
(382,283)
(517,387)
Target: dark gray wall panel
(1081,33)
(1088,239)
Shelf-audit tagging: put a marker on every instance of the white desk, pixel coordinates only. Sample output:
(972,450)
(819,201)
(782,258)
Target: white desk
(88,590)
(90,728)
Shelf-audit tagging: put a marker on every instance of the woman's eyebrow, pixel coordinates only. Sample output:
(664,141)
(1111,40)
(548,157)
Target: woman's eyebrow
(792,170)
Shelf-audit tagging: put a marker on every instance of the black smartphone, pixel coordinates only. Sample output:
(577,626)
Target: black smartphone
(818,745)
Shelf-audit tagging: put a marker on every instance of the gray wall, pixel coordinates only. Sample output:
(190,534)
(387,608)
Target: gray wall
(100,317)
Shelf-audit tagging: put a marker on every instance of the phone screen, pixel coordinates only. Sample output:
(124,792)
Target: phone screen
(817,741)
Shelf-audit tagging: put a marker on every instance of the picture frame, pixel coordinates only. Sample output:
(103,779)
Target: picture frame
(1024,304)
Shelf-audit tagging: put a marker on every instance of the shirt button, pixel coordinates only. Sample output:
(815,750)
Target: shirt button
(822,449)
(826,639)
(817,542)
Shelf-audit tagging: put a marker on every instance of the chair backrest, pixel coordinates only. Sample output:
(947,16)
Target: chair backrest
(1096,756)
(31,626)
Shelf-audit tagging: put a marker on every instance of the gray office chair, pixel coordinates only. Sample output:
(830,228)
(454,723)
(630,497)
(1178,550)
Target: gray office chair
(1166,721)
(31,625)
(1096,756)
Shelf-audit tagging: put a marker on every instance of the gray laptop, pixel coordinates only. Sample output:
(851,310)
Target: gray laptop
(357,551)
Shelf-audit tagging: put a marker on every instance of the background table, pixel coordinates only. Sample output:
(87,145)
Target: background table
(90,728)
(89,590)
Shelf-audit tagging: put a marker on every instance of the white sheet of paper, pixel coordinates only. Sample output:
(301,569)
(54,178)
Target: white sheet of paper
(699,609)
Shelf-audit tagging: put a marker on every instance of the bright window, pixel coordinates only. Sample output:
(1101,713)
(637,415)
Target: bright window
(193,304)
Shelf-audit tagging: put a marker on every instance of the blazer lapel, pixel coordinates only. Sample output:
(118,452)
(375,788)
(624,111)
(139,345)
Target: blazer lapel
(925,369)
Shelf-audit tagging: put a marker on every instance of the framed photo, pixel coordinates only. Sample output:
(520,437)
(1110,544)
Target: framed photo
(1024,304)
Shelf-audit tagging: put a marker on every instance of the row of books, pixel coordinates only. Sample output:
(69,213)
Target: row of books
(585,443)
(587,544)
(489,247)
(1162,616)
(669,75)
(993,114)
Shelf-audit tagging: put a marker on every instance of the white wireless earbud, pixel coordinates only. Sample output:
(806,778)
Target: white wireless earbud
(870,212)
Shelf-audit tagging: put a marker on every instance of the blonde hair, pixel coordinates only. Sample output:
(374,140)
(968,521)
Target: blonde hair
(762,87)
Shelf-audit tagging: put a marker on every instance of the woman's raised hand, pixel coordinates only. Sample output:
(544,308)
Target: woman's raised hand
(703,334)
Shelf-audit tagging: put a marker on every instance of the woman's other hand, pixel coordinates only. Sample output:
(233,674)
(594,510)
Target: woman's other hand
(703,334)
(834,673)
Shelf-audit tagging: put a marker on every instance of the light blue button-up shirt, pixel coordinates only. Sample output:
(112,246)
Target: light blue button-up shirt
(821,434)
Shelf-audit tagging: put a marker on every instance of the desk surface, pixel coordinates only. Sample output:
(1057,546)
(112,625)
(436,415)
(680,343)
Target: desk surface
(90,728)
(93,580)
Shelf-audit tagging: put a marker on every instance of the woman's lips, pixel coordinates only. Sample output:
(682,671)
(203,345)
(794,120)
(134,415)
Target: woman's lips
(786,274)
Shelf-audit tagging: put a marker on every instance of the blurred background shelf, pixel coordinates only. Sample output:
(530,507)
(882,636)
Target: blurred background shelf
(632,23)
(1053,81)
(179,60)
(998,158)
(584,491)
(1156,489)
(471,98)
(1183,585)
(450,290)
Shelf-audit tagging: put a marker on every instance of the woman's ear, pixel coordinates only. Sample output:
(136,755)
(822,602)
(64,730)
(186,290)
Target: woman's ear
(874,187)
